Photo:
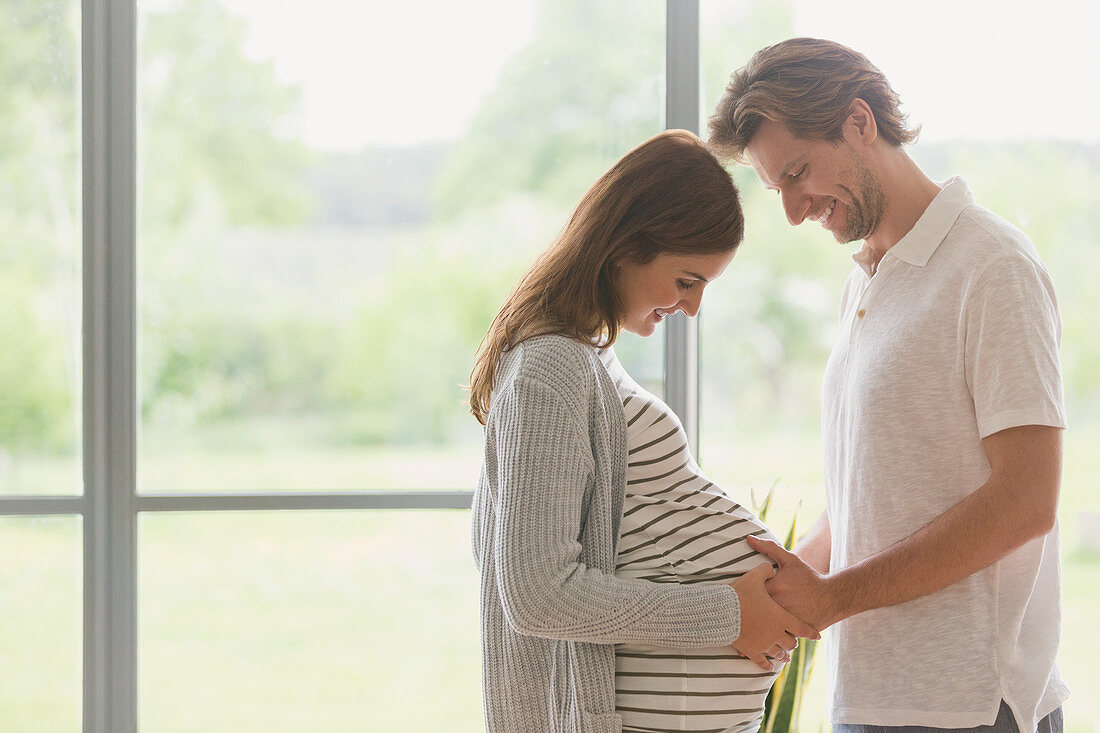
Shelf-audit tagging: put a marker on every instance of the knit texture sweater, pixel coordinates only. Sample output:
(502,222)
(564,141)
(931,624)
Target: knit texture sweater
(545,529)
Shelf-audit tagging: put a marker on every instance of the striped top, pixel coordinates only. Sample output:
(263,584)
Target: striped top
(678,527)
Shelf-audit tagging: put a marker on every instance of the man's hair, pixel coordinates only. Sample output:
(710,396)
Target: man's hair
(809,85)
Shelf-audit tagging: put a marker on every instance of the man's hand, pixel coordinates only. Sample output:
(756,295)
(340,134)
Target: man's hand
(768,632)
(799,588)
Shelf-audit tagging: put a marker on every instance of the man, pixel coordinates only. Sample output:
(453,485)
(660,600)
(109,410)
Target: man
(936,561)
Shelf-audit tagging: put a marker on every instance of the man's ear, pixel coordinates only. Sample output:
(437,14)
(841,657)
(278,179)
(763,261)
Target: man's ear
(860,127)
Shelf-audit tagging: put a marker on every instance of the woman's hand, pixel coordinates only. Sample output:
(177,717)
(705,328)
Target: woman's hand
(768,631)
(800,588)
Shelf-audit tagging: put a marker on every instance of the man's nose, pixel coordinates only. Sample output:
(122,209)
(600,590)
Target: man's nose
(795,206)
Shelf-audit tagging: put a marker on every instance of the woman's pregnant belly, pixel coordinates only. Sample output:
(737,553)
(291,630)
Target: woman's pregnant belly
(706,689)
(688,535)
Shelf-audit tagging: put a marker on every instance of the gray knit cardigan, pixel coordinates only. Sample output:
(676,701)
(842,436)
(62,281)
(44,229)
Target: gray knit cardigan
(545,529)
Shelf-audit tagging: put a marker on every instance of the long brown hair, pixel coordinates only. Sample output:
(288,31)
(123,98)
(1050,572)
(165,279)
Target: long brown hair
(668,195)
(809,85)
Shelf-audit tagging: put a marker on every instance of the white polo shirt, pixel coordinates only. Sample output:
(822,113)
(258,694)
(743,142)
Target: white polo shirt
(955,337)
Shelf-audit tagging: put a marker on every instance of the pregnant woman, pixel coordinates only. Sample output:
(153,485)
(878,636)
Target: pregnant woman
(618,592)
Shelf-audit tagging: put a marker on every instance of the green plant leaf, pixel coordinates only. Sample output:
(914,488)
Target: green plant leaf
(762,508)
(784,701)
(792,533)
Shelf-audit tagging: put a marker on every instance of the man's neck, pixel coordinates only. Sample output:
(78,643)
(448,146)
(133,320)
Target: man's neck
(908,193)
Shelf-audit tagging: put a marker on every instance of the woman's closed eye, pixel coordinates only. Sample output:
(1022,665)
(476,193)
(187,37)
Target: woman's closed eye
(687,284)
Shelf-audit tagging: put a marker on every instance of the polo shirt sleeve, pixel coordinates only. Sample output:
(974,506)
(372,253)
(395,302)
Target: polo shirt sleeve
(1012,336)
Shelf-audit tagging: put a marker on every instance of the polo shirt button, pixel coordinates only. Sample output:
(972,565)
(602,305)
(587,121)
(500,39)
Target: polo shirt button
(861,313)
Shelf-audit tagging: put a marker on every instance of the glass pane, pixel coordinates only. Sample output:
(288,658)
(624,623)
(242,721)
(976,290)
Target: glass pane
(323,244)
(770,321)
(286,622)
(40,635)
(40,311)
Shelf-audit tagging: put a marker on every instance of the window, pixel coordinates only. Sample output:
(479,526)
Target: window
(250,250)
(40,638)
(40,366)
(320,248)
(321,244)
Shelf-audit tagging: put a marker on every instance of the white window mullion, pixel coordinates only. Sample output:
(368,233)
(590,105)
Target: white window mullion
(293,501)
(682,112)
(108,42)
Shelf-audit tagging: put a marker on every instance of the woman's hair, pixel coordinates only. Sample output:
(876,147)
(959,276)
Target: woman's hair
(668,195)
(809,85)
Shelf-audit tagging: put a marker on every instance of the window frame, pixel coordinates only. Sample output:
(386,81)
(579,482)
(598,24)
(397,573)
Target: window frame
(110,503)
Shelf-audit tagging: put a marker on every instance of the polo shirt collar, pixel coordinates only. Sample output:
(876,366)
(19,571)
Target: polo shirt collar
(917,247)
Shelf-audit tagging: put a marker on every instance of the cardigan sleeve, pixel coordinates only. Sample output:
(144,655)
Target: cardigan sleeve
(544,473)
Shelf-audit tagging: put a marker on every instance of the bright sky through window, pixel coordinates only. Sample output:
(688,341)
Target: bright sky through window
(965,68)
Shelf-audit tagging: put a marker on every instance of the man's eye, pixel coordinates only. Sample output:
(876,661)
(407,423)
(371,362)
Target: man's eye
(799,173)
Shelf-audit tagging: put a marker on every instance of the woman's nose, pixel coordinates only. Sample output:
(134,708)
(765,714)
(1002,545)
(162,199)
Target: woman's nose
(690,304)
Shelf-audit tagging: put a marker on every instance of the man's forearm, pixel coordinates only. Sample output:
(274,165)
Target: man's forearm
(1017,504)
(815,545)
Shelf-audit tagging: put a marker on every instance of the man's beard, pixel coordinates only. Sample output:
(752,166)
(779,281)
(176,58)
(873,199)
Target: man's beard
(866,205)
